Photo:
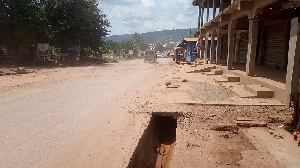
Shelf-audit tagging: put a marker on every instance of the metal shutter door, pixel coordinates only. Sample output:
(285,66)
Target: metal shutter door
(243,48)
(274,47)
(224,46)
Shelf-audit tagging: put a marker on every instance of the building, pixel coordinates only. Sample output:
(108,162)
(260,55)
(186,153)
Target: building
(180,52)
(191,50)
(258,37)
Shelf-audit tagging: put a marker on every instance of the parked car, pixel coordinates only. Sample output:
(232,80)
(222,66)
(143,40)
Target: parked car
(158,55)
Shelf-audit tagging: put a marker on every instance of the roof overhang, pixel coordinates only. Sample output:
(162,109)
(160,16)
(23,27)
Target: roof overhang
(192,39)
(203,3)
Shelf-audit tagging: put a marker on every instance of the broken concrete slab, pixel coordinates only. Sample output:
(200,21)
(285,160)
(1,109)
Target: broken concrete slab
(203,69)
(217,71)
(250,124)
(244,119)
(209,73)
(220,79)
(224,127)
(173,86)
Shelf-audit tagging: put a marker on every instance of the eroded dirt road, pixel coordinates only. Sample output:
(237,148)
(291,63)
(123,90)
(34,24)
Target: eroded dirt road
(64,116)
(124,115)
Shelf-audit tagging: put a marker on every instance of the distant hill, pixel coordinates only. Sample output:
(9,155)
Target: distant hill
(157,36)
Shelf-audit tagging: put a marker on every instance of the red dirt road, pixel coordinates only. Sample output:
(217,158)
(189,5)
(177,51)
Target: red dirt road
(100,116)
(64,116)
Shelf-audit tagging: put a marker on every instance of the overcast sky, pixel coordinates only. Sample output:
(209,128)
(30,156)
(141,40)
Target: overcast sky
(130,16)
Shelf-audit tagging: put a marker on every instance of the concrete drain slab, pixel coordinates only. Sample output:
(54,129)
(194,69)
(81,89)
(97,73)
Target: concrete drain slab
(260,91)
(231,77)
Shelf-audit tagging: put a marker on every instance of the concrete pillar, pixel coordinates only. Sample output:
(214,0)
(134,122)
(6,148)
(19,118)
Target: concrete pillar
(198,48)
(201,47)
(202,15)
(237,45)
(207,10)
(231,27)
(212,47)
(292,76)
(221,5)
(214,8)
(199,17)
(219,45)
(252,44)
(206,46)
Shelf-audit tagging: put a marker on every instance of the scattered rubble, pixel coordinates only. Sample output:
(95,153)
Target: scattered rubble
(167,83)
(21,70)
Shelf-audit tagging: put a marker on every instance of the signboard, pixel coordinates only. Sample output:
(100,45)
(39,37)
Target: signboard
(43,49)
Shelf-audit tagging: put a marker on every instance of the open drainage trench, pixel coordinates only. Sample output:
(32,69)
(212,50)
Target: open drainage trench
(157,144)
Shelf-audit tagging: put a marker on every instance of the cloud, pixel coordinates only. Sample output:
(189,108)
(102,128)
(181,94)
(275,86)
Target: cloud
(129,16)
(148,3)
(119,2)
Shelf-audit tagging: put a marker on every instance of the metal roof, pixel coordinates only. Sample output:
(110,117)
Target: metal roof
(192,39)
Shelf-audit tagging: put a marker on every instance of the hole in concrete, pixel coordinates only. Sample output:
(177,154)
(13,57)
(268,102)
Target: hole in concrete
(156,146)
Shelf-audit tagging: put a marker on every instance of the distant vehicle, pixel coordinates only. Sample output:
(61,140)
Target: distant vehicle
(150,56)
(159,55)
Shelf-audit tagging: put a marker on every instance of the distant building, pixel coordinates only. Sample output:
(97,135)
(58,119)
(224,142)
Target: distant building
(191,50)
(253,34)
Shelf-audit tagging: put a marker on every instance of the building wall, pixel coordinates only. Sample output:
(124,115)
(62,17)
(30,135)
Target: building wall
(191,56)
(268,26)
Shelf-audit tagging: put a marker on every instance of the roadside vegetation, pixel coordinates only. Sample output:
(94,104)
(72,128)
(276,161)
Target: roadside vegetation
(59,23)
(63,23)
(127,49)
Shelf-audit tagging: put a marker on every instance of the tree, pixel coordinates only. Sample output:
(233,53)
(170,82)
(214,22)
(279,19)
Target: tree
(22,22)
(125,46)
(135,44)
(60,22)
(138,43)
(159,47)
(111,46)
(76,22)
